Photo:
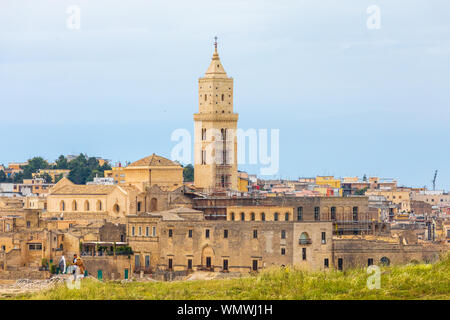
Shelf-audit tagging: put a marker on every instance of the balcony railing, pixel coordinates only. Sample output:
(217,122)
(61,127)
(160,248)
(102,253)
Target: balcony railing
(304,241)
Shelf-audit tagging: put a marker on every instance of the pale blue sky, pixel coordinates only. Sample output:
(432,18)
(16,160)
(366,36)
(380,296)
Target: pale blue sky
(347,100)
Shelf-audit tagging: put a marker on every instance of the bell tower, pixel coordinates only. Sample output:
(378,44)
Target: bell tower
(215,125)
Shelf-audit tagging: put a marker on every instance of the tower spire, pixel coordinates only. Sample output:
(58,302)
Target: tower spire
(215,44)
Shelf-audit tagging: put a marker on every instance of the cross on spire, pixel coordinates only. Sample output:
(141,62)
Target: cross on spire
(215,43)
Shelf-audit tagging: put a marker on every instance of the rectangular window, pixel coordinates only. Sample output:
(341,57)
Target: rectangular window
(203,156)
(147,261)
(133,231)
(340,264)
(28,224)
(140,231)
(225,233)
(255,265)
(317,213)
(189,266)
(326,263)
(304,253)
(300,213)
(333,213)
(355,213)
(255,234)
(283,234)
(283,251)
(170,264)
(137,261)
(170,233)
(324,238)
(207,233)
(147,231)
(153,231)
(190,233)
(225,264)
(369,262)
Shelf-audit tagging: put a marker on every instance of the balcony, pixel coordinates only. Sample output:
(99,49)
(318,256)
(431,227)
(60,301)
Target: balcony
(304,241)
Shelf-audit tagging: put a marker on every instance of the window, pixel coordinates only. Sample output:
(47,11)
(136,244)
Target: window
(99,205)
(355,213)
(139,206)
(190,233)
(223,97)
(153,231)
(242,216)
(300,213)
(275,216)
(147,231)
(140,231)
(170,233)
(283,251)
(225,264)
(326,263)
(132,230)
(203,156)
(317,213)
(253,216)
(225,234)
(324,238)
(86,206)
(369,262)
(255,234)
(255,265)
(263,216)
(189,265)
(170,264)
(286,216)
(333,213)
(232,216)
(206,97)
(28,224)
(283,234)
(147,261)
(303,253)
(35,246)
(340,263)
(207,233)
(74,206)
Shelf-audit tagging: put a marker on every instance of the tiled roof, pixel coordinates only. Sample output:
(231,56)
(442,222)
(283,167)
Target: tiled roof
(84,189)
(153,161)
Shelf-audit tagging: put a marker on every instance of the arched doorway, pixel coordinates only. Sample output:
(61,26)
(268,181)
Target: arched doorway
(385,261)
(207,258)
(154,204)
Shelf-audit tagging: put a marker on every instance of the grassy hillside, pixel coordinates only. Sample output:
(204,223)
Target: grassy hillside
(423,281)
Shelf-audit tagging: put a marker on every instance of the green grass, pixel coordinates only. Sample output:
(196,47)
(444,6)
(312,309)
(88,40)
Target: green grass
(422,281)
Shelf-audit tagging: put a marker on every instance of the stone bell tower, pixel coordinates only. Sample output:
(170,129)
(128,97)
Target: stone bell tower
(215,125)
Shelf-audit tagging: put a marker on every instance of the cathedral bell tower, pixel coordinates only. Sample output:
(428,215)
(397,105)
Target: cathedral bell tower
(215,125)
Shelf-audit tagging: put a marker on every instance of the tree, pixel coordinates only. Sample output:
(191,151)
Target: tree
(365,178)
(33,166)
(47,178)
(361,192)
(188,173)
(18,177)
(2,176)
(61,163)
(83,169)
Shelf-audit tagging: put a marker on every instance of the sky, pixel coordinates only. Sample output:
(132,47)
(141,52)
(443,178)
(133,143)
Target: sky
(347,99)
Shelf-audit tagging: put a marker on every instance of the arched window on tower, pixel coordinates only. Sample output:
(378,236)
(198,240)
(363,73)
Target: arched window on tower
(223,97)
(206,96)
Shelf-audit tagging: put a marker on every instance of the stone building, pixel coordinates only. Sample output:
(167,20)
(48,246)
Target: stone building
(215,125)
(182,240)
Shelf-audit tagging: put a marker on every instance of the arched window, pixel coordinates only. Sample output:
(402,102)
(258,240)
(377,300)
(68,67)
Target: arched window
(232,216)
(242,216)
(116,208)
(99,205)
(385,261)
(275,216)
(263,216)
(304,238)
(86,206)
(252,216)
(62,205)
(286,216)
(223,97)
(333,213)
(74,206)
(206,96)
(139,205)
